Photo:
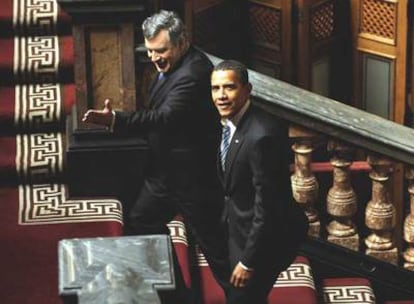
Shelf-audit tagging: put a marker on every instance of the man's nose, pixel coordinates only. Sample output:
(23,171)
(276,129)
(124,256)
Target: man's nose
(153,56)
(222,93)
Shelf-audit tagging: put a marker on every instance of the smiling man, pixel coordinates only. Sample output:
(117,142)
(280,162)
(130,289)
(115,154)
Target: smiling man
(161,50)
(182,128)
(264,225)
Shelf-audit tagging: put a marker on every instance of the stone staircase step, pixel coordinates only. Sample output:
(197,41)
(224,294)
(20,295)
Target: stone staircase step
(179,239)
(32,158)
(33,220)
(294,285)
(33,17)
(35,107)
(211,292)
(36,59)
(347,290)
(36,95)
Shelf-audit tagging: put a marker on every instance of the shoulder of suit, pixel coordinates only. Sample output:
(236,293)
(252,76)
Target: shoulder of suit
(265,119)
(196,60)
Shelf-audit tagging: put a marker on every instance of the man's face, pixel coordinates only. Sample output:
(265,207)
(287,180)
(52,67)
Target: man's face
(228,93)
(162,52)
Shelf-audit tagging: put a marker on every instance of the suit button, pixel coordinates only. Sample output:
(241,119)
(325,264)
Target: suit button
(226,198)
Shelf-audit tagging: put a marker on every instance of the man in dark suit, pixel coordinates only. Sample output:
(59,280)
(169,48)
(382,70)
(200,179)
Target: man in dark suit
(183,132)
(265,227)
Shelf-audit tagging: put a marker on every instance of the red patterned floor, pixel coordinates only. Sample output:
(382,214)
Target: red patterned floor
(36,94)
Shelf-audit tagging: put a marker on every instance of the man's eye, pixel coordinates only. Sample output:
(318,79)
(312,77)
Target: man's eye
(157,51)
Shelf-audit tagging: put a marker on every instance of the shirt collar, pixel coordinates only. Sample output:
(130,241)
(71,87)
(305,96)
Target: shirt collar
(236,118)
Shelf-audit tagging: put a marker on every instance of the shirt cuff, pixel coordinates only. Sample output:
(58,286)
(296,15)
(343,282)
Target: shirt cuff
(245,267)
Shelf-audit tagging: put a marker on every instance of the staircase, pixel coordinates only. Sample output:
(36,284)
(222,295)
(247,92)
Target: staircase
(36,95)
(299,284)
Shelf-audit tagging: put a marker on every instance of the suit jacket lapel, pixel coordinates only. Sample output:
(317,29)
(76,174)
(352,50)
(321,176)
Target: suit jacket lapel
(220,172)
(235,144)
(158,84)
(156,89)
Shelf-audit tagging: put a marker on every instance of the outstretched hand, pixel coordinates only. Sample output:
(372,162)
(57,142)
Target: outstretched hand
(100,117)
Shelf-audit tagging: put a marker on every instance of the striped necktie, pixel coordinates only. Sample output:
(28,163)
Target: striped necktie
(225,143)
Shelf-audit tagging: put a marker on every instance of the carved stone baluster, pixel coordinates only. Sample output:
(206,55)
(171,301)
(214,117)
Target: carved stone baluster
(380,214)
(342,200)
(409,224)
(305,187)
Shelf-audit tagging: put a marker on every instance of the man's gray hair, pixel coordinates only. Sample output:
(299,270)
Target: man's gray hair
(165,20)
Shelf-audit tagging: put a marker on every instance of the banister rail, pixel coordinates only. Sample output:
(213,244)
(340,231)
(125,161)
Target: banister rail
(333,118)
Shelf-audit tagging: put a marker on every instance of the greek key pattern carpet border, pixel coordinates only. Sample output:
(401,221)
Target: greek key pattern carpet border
(37,104)
(297,275)
(39,15)
(47,204)
(178,232)
(39,155)
(348,295)
(201,259)
(36,58)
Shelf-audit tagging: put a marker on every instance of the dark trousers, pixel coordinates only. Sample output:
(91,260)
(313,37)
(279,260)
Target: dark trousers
(257,290)
(154,209)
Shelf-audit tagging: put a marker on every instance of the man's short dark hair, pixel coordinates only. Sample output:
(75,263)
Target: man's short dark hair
(165,20)
(233,65)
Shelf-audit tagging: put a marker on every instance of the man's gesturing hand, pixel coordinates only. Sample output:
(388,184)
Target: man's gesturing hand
(100,117)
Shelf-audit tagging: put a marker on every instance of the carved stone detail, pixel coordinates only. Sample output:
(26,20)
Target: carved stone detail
(305,187)
(380,213)
(408,254)
(342,200)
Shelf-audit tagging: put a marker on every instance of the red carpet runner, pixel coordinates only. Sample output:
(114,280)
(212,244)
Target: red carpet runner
(36,94)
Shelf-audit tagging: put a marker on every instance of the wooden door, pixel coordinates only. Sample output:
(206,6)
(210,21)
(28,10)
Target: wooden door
(379,30)
(321,62)
(269,37)
(210,23)
(380,50)
(210,29)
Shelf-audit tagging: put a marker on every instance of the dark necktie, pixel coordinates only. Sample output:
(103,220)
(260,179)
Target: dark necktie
(225,143)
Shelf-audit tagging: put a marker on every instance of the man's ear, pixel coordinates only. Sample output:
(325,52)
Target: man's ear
(249,86)
(183,44)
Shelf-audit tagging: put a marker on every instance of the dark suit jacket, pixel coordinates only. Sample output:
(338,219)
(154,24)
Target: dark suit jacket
(265,226)
(181,126)
(183,131)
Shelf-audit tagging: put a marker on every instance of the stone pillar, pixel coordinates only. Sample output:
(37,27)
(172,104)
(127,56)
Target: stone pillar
(380,214)
(105,35)
(408,254)
(305,187)
(342,200)
(127,269)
